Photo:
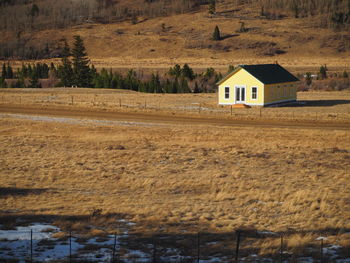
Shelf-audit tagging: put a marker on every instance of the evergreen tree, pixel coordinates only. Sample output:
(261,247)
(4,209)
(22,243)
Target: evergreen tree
(212,7)
(230,68)
(345,75)
(134,19)
(175,86)
(184,86)
(187,72)
(308,78)
(34,81)
(9,72)
(196,88)
(34,10)
(65,71)
(4,71)
(323,72)
(81,70)
(210,72)
(216,34)
(175,71)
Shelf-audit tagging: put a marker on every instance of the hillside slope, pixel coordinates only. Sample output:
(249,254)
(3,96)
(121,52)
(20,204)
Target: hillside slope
(187,38)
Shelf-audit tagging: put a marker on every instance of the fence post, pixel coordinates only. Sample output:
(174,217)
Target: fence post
(20,99)
(72,100)
(199,108)
(145,104)
(237,244)
(281,249)
(321,250)
(260,113)
(70,246)
(198,247)
(31,245)
(114,247)
(231,109)
(154,250)
(120,103)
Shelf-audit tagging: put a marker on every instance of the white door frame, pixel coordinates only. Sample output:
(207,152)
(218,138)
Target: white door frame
(242,90)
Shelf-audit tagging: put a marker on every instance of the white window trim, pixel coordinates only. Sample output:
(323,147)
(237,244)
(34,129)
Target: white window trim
(229,93)
(245,93)
(256,93)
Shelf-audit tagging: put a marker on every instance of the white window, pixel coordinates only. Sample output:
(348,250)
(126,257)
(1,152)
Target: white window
(227,92)
(254,93)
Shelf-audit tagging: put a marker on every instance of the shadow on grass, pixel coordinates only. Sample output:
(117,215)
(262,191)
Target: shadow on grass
(229,36)
(317,103)
(13,191)
(190,245)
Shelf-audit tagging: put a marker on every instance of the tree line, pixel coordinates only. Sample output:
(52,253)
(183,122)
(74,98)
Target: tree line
(334,13)
(77,70)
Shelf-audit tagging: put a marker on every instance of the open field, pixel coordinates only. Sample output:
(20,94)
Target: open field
(312,106)
(86,173)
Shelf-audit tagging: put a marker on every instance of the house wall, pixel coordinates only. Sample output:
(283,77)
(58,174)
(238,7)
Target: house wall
(241,78)
(280,92)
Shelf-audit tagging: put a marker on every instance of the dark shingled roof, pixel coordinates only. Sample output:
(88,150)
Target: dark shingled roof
(270,73)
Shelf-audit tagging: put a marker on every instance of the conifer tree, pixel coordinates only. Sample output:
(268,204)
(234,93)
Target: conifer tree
(196,88)
(212,7)
(4,71)
(34,81)
(175,71)
(81,70)
(216,34)
(66,71)
(323,72)
(9,72)
(187,72)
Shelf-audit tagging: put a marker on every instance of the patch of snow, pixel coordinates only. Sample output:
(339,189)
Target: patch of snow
(305,260)
(79,121)
(321,238)
(267,233)
(23,232)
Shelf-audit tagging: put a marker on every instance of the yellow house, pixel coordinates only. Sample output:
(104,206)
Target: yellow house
(258,85)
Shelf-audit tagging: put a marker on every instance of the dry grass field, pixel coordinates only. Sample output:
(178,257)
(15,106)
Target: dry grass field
(176,178)
(313,106)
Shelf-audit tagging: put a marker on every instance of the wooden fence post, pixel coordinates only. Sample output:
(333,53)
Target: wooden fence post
(154,250)
(321,250)
(231,109)
(70,246)
(237,244)
(114,247)
(72,100)
(281,249)
(31,245)
(198,247)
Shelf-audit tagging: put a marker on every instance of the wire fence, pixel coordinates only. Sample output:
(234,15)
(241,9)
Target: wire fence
(157,103)
(199,247)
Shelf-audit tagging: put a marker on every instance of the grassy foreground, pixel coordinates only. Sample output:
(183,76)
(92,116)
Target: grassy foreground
(173,178)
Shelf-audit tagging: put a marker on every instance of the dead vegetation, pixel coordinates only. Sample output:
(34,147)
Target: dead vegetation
(174,178)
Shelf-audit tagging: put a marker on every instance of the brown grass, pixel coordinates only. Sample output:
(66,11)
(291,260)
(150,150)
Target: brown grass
(170,178)
(186,39)
(314,105)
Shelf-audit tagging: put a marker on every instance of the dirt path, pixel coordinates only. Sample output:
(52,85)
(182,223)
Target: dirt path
(169,119)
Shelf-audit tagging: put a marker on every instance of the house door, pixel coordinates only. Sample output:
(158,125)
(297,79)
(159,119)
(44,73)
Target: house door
(240,94)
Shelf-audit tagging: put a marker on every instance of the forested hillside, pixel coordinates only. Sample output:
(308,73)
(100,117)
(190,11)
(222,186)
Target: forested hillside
(37,29)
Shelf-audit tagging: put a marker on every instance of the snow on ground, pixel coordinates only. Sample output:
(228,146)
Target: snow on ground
(15,244)
(79,121)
